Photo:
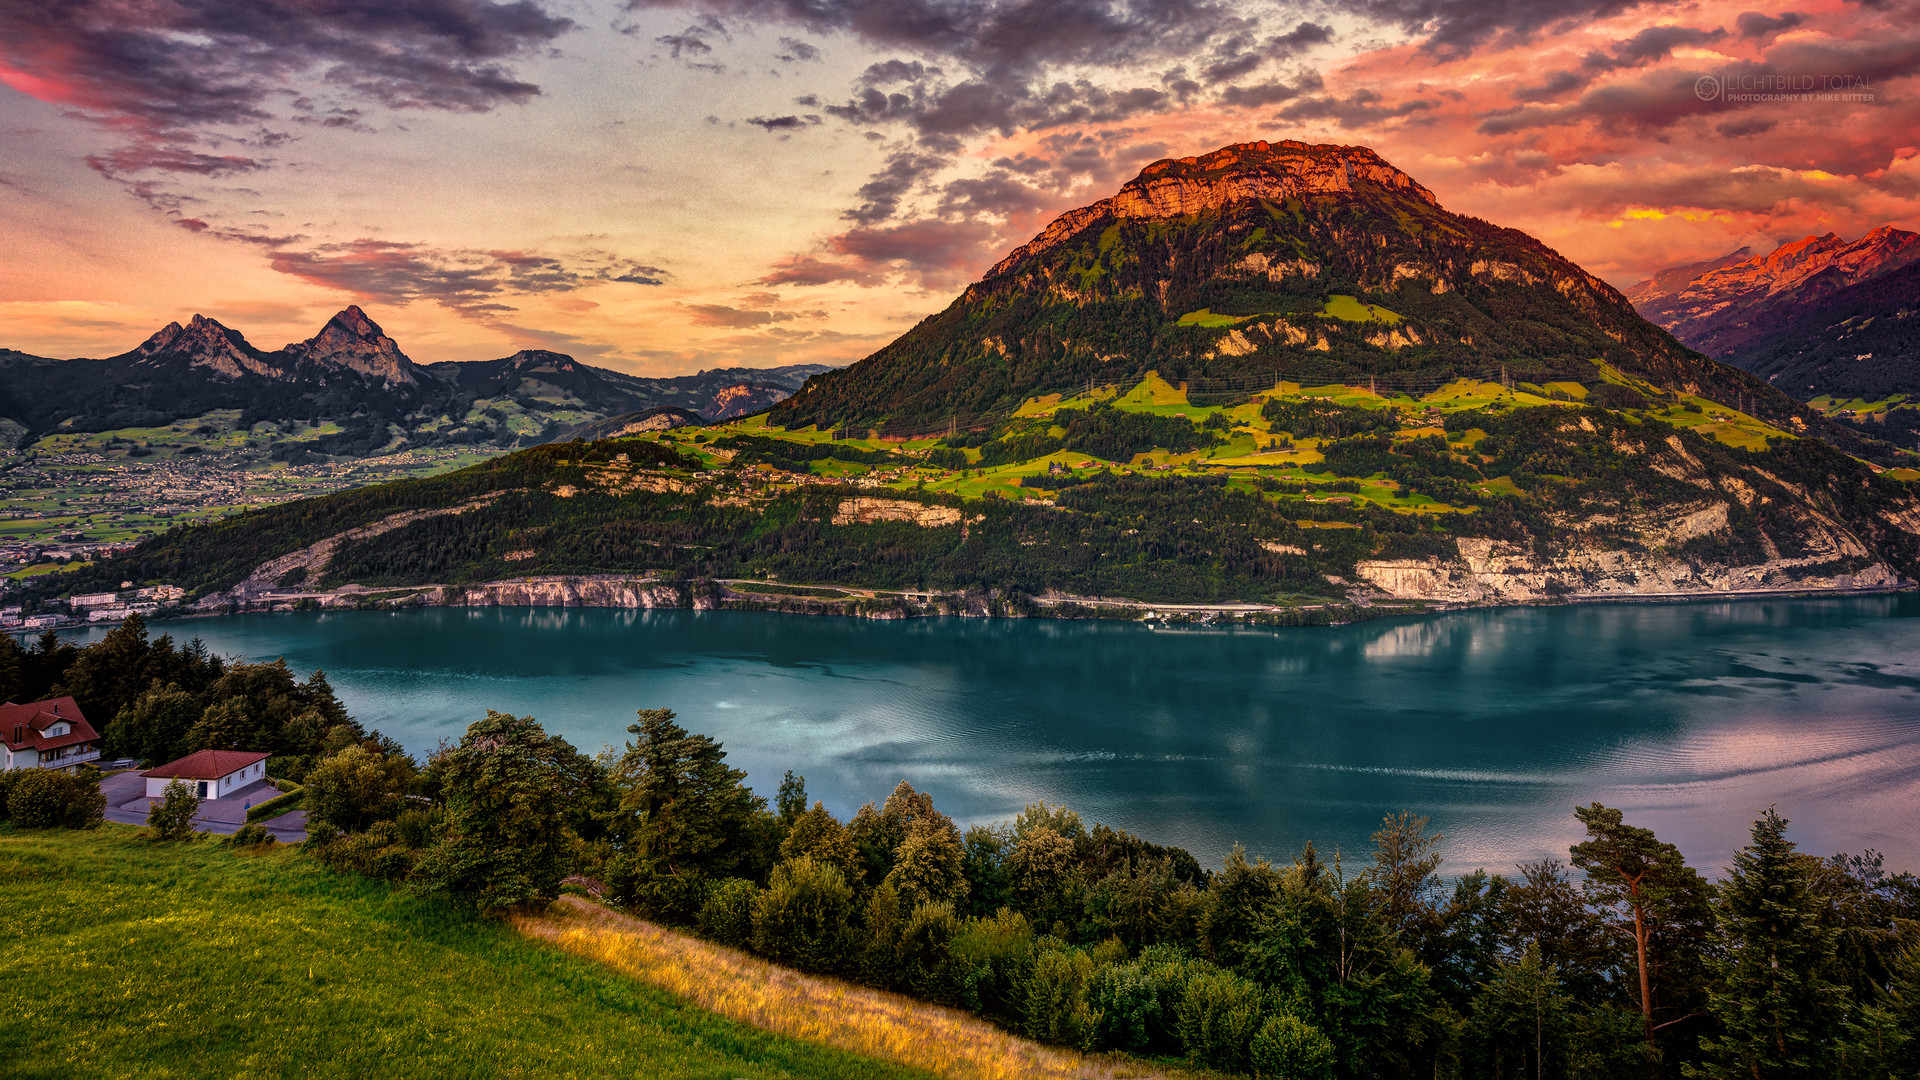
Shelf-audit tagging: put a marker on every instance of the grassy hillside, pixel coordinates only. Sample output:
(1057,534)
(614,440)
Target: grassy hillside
(124,957)
(1139,490)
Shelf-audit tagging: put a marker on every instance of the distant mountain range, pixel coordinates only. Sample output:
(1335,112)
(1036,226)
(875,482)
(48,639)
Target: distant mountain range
(1819,316)
(355,379)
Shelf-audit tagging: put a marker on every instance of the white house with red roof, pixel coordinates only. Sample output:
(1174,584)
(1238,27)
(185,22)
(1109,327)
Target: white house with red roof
(50,734)
(212,774)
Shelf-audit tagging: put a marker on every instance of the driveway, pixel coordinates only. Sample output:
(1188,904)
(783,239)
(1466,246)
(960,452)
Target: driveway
(127,802)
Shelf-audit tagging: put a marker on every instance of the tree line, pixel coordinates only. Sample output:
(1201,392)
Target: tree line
(1620,961)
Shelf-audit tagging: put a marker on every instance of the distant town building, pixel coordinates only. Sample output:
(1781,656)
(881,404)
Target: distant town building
(50,734)
(83,601)
(113,613)
(212,774)
(42,622)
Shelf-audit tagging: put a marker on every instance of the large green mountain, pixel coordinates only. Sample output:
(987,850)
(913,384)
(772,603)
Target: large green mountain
(1278,374)
(1233,266)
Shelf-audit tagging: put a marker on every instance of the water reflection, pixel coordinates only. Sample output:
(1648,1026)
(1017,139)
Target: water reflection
(1496,722)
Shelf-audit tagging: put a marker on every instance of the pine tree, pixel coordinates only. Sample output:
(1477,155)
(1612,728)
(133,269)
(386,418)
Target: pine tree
(1780,1016)
(688,810)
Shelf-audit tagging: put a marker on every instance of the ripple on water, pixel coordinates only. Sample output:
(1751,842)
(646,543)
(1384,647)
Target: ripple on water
(1495,723)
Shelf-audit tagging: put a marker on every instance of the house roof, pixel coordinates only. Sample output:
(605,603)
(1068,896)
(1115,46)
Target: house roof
(23,727)
(207,765)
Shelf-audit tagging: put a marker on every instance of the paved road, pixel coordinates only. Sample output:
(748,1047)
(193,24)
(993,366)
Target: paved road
(127,802)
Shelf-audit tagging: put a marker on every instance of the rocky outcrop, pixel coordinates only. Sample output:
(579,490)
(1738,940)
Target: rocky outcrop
(312,561)
(1174,187)
(204,343)
(574,592)
(356,343)
(867,511)
(1489,572)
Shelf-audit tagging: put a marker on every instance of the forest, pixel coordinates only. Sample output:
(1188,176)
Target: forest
(1622,960)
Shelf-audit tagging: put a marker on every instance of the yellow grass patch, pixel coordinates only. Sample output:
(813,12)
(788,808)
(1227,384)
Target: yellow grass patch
(857,1019)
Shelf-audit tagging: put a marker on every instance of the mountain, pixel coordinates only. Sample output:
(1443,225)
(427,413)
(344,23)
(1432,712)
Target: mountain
(353,385)
(1734,309)
(1256,262)
(1277,374)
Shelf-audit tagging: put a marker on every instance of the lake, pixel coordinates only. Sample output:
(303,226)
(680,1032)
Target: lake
(1495,723)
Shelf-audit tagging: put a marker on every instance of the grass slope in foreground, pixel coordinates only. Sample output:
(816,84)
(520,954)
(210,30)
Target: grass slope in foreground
(185,960)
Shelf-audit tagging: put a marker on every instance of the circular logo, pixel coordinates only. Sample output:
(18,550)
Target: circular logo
(1707,88)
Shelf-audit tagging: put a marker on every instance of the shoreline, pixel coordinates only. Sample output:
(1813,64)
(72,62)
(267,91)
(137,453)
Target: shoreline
(632,592)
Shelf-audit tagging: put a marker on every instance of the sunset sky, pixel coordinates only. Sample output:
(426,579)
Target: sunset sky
(668,185)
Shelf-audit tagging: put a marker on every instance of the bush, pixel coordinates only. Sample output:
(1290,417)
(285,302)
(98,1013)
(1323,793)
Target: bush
(47,799)
(927,967)
(286,801)
(1218,1017)
(252,835)
(7,779)
(379,852)
(1138,1003)
(802,919)
(727,916)
(1289,1048)
(1056,1005)
(172,817)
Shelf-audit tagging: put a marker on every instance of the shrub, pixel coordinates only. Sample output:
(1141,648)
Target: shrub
(927,965)
(172,817)
(1289,1048)
(1218,1016)
(46,799)
(379,852)
(998,955)
(727,916)
(802,918)
(1056,1005)
(252,835)
(7,779)
(1138,1003)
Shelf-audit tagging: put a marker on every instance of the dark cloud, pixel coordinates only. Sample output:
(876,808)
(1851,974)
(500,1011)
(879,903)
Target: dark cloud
(882,194)
(1753,24)
(690,45)
(733,317)
(1362,108)
(1456,28)
(811,270)
(1649,46)
(1239,55)
(163,74)
(473,282)
(784,123)
(1260,95)
(1658,100)
(796,51)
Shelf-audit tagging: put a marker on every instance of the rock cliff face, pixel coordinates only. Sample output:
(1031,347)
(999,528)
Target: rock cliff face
(1489,572)
(352,341)
(1242,172)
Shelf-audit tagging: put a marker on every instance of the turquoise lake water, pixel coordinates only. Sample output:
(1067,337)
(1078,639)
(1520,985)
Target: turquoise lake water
(1495,723)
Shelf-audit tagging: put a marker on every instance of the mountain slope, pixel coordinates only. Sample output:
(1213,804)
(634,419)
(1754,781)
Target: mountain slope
(1261,261)
(355,376)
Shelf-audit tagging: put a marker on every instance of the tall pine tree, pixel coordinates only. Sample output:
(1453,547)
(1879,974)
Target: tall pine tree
(1780,1016)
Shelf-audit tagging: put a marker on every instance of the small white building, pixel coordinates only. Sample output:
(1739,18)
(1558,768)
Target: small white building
(211,774)
(93,600)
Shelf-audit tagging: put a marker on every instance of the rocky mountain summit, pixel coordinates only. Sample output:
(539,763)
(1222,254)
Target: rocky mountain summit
(1175,187)
(1725,307)
(356,390)
(356,343)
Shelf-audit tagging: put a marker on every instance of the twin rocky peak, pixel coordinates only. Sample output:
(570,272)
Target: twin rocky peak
(350,342)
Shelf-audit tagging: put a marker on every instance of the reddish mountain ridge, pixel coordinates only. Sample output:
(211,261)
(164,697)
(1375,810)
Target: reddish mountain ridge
(1723,307)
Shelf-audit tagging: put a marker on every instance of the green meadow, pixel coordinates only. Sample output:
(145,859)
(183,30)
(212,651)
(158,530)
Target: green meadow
(129,958)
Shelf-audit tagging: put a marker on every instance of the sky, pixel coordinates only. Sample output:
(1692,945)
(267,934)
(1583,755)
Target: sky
(665,186)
